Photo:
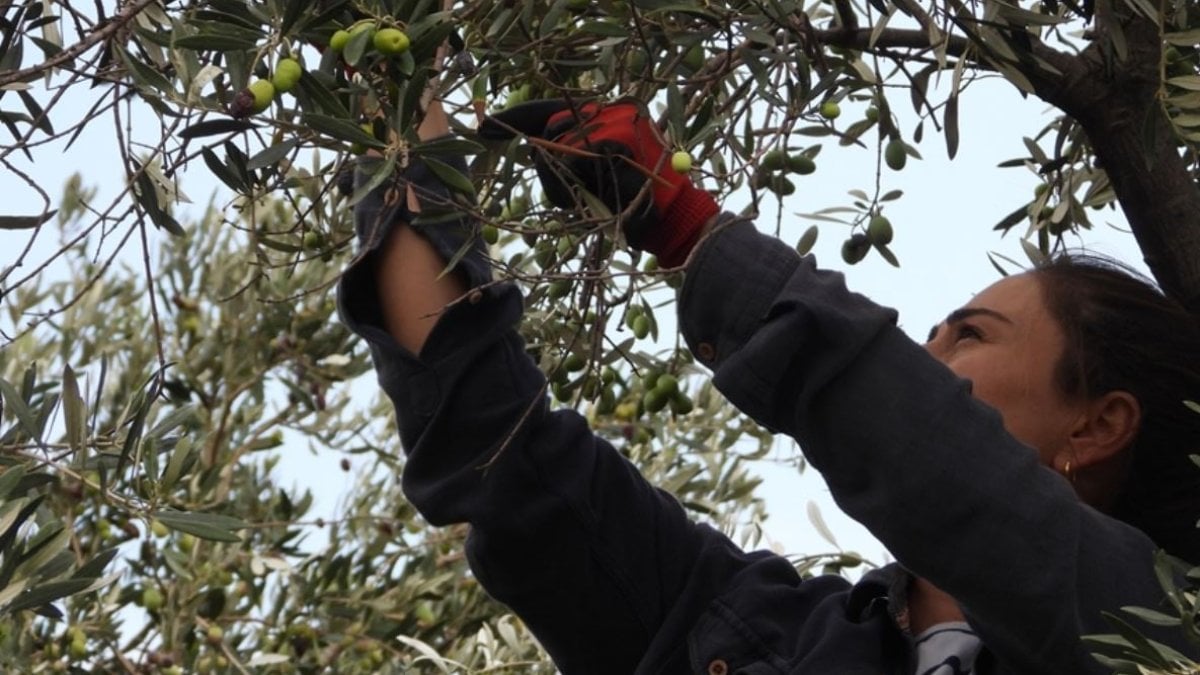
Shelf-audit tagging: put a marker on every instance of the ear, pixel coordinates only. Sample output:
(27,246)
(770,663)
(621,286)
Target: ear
(1105,428)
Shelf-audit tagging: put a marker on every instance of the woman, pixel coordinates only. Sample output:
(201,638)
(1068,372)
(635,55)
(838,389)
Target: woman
(991,462)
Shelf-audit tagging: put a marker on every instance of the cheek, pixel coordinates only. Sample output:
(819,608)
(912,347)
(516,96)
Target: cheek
(976,366)
(1003,382)
(1020,390)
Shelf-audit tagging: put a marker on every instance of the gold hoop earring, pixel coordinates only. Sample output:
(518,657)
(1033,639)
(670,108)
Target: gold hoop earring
(1067,472)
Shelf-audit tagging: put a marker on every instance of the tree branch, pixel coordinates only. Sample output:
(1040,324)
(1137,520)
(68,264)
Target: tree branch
(115,24)
(889,38)
(1116,103)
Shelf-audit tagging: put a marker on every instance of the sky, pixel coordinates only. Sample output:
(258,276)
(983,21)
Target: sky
(943,235)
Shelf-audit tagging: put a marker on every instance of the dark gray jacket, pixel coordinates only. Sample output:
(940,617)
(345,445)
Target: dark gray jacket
(612,576)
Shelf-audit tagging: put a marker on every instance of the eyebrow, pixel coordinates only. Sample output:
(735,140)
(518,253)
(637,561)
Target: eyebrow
(964,313)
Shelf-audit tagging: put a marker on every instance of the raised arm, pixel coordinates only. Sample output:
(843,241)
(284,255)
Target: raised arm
(907,451)
(408,269)
(605,569)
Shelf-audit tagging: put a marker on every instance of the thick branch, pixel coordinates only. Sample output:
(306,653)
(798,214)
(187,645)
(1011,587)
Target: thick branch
(115,24)
(1116,103)
(889,38)
(1157,194)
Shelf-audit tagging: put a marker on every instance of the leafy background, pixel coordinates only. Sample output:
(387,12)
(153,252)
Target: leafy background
(166,351)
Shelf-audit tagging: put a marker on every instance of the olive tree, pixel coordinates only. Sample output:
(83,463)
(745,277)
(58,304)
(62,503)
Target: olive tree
(149,393)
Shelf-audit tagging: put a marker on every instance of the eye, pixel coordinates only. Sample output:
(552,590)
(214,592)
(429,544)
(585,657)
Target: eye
(965,331)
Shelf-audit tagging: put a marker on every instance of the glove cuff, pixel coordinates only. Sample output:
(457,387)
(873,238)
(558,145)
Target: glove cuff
(682,224)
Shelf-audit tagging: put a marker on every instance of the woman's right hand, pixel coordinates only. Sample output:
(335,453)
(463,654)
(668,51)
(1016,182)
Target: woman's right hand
(614,151)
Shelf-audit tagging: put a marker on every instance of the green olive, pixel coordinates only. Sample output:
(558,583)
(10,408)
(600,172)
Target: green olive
(879,231)
(574,363)
(681,404)
(895,154)
(641,327)
(287,74)
(667,383)
(263,92)
(801,164)
(391,41)
(655,400)
(339,39)
(775,160)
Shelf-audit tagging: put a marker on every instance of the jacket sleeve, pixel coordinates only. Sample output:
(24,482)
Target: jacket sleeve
(564,530)
(908,452)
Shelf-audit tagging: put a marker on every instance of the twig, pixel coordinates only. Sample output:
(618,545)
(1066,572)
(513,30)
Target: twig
(117,23)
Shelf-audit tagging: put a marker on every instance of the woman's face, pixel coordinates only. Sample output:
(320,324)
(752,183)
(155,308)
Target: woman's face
(1007,344)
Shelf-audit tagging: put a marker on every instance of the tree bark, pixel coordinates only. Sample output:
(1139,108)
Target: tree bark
(1117,105)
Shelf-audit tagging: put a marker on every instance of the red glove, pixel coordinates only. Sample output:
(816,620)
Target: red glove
(665,217)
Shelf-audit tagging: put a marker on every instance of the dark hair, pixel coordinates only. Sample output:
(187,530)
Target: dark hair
(1123,333)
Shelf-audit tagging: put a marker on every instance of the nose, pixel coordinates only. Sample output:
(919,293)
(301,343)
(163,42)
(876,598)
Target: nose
(935,343)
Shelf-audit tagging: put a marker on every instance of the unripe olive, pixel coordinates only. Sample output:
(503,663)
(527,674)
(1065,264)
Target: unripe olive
(559,289)
(681,161)
(641,327)
(655,400)
(159,529)
(775,160)
(855,248)
(78,647)
(287,74)
(693,60)
(607,404)
(681,404)
(391,41)
(591,388)
(895,154)
(608,375)
(667,383)
(626,411)
(807,240)
(152,598)
(337,42)
(636,60)
(574,363)
(801,164)
(263,92)
(782,186)
(424,613)
(879,230)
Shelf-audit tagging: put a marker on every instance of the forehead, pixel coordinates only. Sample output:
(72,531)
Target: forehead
(1027,320)
(1018,297)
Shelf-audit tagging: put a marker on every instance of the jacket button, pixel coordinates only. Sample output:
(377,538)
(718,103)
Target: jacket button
(707,353)
(718,667)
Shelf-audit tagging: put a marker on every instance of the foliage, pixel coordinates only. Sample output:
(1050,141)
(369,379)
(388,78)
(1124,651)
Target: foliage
(172,469)
(158,386)
(1128,651)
